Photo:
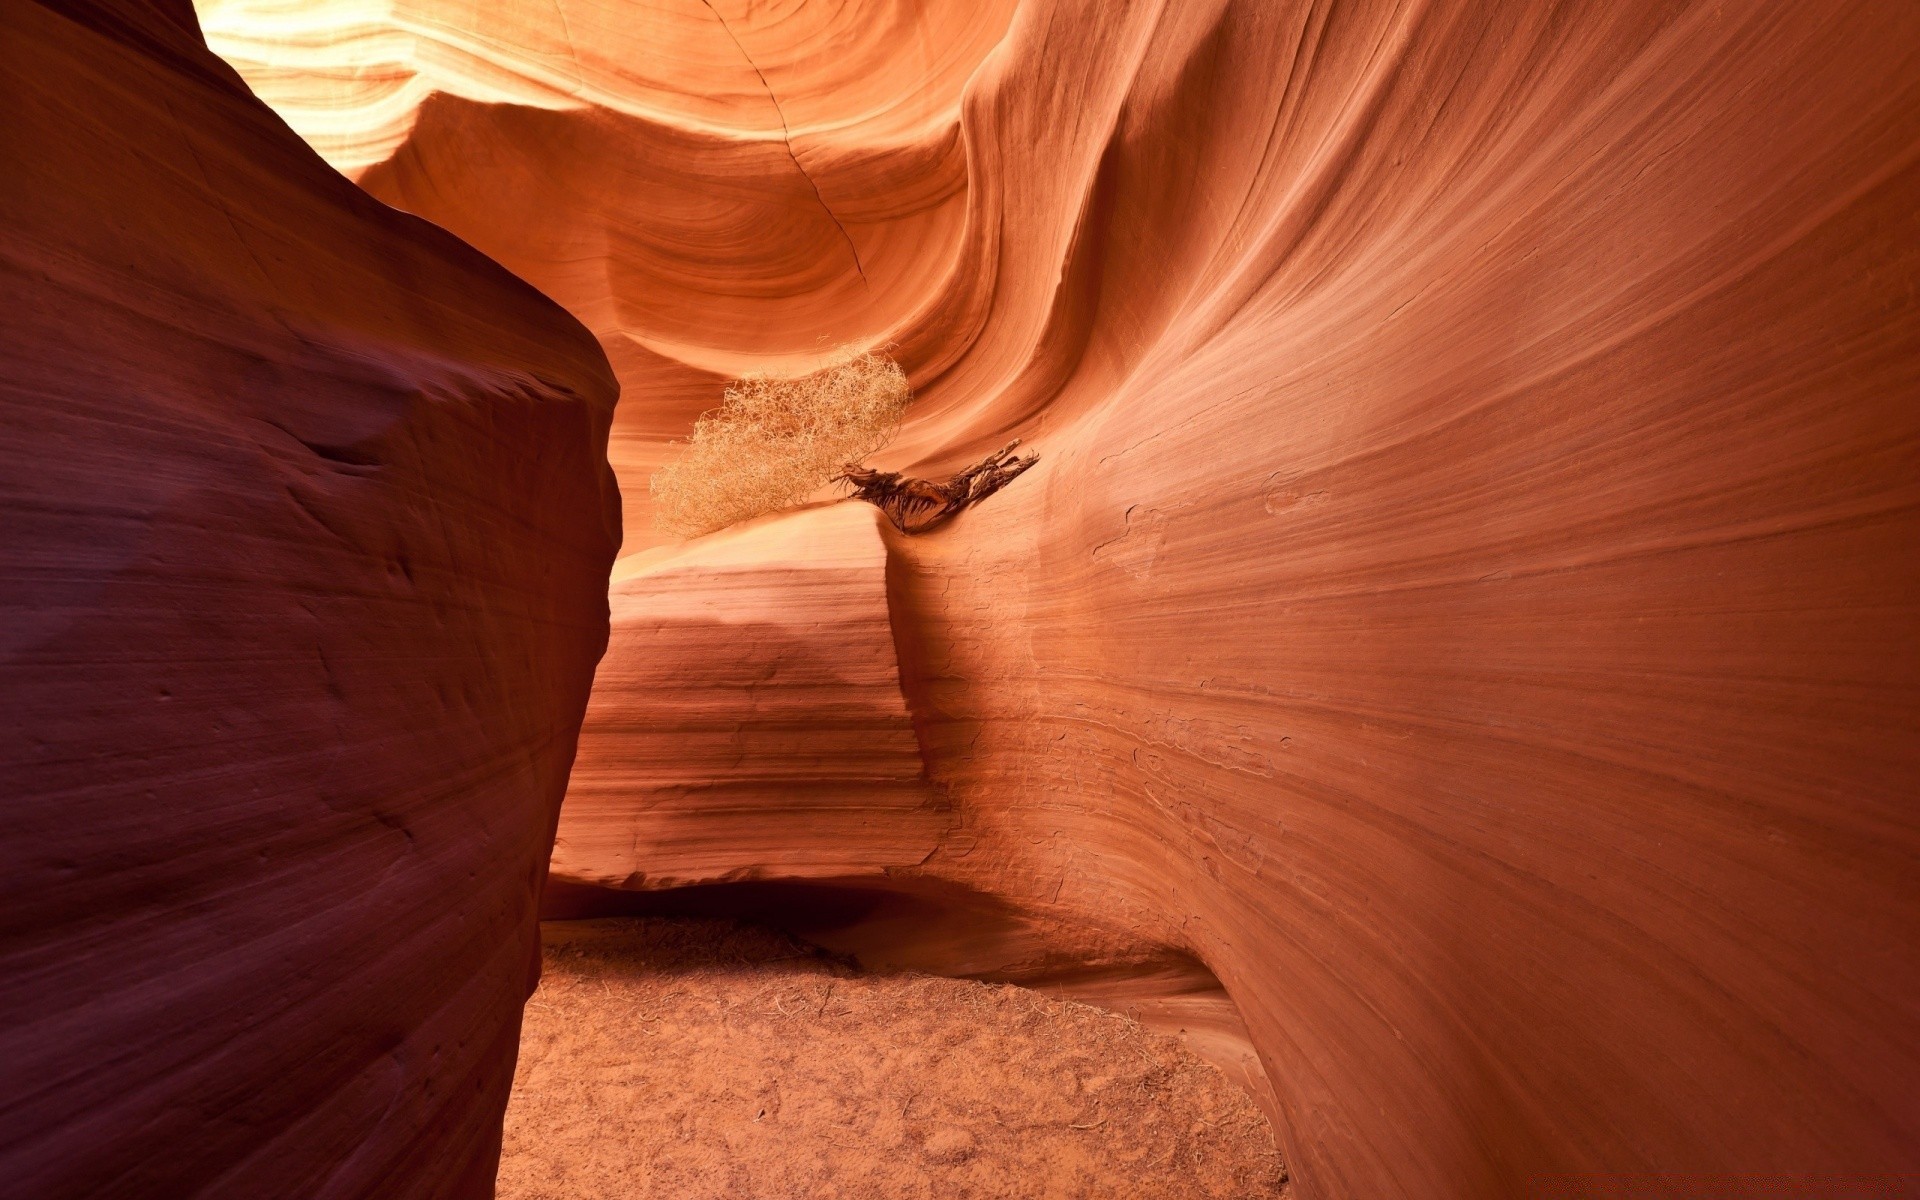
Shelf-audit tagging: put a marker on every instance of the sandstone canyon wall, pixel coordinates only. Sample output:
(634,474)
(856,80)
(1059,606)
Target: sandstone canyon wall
(1467,598)
(748,719)
(307,529)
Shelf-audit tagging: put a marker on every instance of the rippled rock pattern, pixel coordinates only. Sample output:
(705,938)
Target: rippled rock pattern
(747,722)
(307,527)
(1467,596)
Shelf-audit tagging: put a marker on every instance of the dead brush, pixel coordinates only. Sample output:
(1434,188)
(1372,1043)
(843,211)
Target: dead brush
(774,441)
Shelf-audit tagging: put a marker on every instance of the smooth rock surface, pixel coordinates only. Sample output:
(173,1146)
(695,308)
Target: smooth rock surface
(712,186)
(748,722)
(307,524)
(1467,598)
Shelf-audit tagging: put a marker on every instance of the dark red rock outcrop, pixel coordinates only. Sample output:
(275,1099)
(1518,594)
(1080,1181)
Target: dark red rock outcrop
(306,535)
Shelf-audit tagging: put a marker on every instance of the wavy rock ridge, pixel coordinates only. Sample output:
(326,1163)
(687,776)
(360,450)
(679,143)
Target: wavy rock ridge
(308,524)
(1466,600)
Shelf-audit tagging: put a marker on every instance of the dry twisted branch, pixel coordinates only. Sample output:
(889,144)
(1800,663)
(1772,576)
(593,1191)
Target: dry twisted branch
(917,505)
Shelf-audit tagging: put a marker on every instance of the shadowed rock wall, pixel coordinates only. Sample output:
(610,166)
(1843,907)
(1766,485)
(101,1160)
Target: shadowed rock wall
(306,537)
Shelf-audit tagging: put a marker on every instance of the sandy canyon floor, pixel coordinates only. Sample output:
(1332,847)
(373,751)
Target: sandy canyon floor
(703,1059)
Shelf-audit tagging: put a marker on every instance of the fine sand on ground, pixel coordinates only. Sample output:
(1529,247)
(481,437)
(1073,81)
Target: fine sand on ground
(704,1060)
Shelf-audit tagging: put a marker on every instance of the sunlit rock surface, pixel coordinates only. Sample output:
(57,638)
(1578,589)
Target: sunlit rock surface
(307,528)
(1467,598)
(710,186)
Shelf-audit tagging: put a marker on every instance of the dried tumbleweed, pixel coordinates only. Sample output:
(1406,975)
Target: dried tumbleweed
(773,442)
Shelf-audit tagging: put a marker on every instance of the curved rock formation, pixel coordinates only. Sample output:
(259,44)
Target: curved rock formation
(307,526)
(711,186)
(1467,599)
(748,722)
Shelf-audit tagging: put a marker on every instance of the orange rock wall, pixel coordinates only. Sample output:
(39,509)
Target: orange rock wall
(307,528)
(1467,596)
(710,185)
(748,721)
(1468,599)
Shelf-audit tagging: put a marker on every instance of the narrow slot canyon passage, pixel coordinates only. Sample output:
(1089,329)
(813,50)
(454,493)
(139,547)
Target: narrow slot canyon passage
(1035,599)
(750,752)
(713,1060)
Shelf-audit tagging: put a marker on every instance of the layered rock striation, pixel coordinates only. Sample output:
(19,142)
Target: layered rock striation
(711,186)
(1466,600)
(307,529)
(747,722)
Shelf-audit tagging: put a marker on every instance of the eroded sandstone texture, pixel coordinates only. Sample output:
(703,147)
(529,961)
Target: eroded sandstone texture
(307,527)
(748,722)
(1467,598)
